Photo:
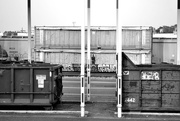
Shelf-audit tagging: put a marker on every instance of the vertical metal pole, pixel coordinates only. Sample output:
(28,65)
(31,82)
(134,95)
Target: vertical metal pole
(119,57)
(83,62)
(88,51)
(41,37)
(178,32)
(29,30)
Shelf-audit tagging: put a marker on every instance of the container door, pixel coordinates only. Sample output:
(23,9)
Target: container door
(21,85)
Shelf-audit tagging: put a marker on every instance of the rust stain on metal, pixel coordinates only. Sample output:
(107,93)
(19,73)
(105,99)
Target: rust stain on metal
(170,75)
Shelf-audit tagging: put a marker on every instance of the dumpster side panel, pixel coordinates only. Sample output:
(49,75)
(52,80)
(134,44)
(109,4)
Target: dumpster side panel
(131,90)
(21,79)
(170,89)
(5,85)
(42,84)
(28,85)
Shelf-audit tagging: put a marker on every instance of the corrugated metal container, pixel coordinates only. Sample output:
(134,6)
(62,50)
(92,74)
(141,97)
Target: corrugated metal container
(37,84)
(105,37)
(61,45)
(17,47)
(151,88)
(164,49)
(67,59)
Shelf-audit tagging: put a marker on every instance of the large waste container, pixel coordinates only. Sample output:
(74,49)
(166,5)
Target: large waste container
(30,84)
(151,87)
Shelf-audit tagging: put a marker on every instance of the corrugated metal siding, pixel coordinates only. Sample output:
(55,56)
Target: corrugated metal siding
(70,38)
(67,59)
(132,39)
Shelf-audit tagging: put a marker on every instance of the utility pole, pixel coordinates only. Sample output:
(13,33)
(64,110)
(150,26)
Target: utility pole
(119,56)
(29,29)
(88,50)
(178,32)
(83,62)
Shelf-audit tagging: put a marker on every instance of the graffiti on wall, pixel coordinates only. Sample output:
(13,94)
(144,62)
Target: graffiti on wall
(94,67)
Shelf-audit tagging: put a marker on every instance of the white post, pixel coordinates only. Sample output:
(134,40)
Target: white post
(119,57)
(83,62)
(29,29)
(88,51)
(178,32)
(41,38)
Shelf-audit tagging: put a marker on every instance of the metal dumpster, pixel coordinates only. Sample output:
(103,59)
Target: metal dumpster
(30,84)
(151,87)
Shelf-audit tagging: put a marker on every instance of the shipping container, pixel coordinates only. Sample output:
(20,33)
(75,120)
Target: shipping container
(164,48)
(104,37)
(68,59)
(17,47)
(154,87)
(53,43)
(30,84)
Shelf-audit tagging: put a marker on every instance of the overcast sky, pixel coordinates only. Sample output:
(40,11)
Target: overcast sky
(13,13)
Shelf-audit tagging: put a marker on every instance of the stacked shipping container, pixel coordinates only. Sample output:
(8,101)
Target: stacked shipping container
(164,48)
(62,44)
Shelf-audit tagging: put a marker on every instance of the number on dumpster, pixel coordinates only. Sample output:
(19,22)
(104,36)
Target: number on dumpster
(130,100)
(150,75)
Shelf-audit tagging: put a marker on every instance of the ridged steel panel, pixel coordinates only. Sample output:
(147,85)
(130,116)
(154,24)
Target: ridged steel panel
(151,88)
(105,38)
(68,59)
(29,84)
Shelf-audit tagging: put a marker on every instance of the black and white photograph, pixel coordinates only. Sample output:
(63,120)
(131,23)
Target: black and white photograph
(89,60)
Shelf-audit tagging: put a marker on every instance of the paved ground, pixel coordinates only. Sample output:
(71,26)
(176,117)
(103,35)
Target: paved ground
(96,112)
(109,111)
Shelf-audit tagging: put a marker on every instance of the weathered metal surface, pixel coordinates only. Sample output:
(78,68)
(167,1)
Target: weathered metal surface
(105,37)
(136,42)
(151,100)
(170,100)
(151,86)
(17,47)
(131,75)
(170,87)
(156,88)
(25,84)
(171,75)
(131,86)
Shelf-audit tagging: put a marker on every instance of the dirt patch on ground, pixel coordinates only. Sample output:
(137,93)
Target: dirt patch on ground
(96,109)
